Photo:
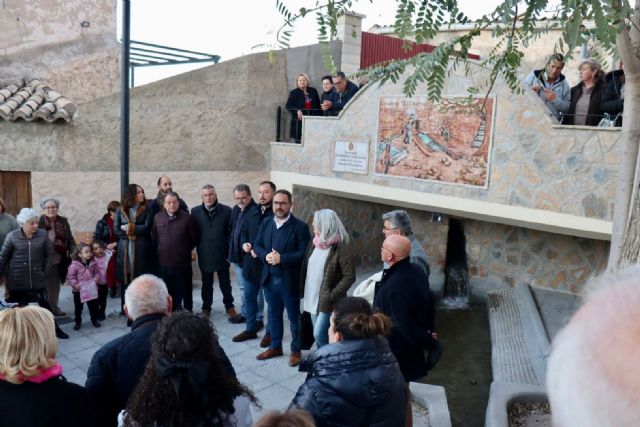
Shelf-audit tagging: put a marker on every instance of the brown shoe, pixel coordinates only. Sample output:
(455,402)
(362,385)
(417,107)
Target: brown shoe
(295,358)
(205,313)
(244,335)
(231,312)
(269,353)
(265,341)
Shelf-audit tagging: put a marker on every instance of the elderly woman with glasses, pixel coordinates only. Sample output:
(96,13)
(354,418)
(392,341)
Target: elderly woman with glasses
(25,260)
(33,391)
(327,271)
(60,236)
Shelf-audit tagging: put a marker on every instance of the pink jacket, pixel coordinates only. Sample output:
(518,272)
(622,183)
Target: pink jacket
(102,263)
(79,274)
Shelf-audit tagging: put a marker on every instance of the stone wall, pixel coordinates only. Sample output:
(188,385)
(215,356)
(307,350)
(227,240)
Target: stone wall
(364,221)
(498,255)
(534,163)
(45,40)
(502,255)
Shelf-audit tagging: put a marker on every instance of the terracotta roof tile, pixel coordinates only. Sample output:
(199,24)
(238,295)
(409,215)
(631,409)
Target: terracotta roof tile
(34,100)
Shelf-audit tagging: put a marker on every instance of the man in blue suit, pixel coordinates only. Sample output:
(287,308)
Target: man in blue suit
(281,243)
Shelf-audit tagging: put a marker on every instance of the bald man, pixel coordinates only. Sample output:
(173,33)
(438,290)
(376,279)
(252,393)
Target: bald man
(593,375)
(402,295)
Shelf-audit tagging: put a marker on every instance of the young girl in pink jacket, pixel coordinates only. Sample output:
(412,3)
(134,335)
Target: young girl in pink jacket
(82,277)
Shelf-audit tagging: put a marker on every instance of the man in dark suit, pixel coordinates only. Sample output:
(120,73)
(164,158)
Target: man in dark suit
(213,219)
(281,243)
(403,296)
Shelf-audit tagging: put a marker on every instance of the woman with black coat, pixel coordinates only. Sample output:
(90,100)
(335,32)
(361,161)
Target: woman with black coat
(132,225)
(613,98)
(303,101)
(355,380)
(584,107)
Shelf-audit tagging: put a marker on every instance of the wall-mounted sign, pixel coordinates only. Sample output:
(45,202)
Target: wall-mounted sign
(351,157)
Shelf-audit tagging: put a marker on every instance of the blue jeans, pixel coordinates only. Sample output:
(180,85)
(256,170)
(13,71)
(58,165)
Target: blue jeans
(279,298)
(253,298)
(243,284)
(320,323)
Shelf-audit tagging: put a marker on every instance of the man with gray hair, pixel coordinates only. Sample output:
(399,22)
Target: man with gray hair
(593,376)
(117,367)
(399,222)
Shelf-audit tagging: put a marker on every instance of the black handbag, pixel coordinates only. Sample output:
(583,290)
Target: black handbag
(305,331)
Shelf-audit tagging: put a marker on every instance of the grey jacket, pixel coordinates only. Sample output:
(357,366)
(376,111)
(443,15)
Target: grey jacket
(25,262)
(560,87)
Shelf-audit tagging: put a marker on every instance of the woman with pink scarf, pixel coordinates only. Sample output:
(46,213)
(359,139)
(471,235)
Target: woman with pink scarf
(33,391)
(327,271)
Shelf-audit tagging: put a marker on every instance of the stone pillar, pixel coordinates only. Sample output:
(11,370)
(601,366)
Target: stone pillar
(350,32)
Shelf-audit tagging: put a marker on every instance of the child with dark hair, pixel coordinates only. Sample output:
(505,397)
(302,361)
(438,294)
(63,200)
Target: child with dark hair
(342,375)
(185,383)
(103,258)
(82,276)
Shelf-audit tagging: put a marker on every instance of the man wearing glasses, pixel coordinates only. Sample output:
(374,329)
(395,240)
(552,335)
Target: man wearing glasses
(551,85)
(345,90)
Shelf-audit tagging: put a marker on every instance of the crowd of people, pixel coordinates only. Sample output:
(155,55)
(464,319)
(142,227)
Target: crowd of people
(171,367)
(597,100)
(304,100)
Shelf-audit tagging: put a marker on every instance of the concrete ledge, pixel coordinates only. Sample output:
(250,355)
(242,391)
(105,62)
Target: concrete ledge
(533,330)
(537,219)
(435,399)
(502,395)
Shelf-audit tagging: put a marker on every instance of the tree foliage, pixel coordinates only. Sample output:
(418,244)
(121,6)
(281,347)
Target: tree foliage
(514,26)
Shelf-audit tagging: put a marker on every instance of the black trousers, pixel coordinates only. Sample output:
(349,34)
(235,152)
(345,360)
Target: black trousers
(224,281)
(103,291)
(23,298)
(78,306)
(179,285)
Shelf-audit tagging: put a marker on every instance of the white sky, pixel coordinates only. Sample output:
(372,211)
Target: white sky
(232,28)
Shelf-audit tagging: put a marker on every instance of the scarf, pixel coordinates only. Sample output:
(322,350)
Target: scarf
(60,239)
(44,375)
(332,240)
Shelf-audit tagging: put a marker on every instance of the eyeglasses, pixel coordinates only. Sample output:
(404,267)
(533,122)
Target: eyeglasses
(388,229)
(50,207)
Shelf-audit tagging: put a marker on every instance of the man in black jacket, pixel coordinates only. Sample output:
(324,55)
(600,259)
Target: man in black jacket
(403,296)
(252,265)
(117,367)
(213,219)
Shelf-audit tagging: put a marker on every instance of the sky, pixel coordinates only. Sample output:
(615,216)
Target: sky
(232,28)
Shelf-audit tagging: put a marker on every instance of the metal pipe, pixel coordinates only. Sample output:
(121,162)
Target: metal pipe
(124,95)
(278,123)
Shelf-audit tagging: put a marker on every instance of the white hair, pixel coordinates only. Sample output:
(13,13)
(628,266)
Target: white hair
(25,215)
(593,376)
(329,225)
(147,294)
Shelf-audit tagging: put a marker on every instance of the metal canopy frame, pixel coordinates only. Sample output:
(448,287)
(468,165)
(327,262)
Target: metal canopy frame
(148,55)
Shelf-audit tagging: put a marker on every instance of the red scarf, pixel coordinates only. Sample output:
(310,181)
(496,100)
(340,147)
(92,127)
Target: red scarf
(60,239)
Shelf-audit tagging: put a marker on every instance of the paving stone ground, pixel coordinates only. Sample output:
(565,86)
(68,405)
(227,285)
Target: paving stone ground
(273,381)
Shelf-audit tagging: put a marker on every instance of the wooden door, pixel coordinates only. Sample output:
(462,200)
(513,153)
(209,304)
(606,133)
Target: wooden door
(15,190)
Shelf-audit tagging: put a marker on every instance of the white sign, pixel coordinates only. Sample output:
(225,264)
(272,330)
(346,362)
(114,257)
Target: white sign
(351,157)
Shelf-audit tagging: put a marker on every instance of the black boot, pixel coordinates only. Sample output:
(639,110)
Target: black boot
(60,334)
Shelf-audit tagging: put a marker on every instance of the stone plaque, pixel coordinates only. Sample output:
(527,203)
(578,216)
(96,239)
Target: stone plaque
(351,157)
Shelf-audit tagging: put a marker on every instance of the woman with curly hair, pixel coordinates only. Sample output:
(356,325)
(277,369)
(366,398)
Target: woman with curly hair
(186,383)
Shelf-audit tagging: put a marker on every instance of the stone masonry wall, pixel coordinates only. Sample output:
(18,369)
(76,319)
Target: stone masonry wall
(364,221)
(533,163)
(506,255)
(498,255)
